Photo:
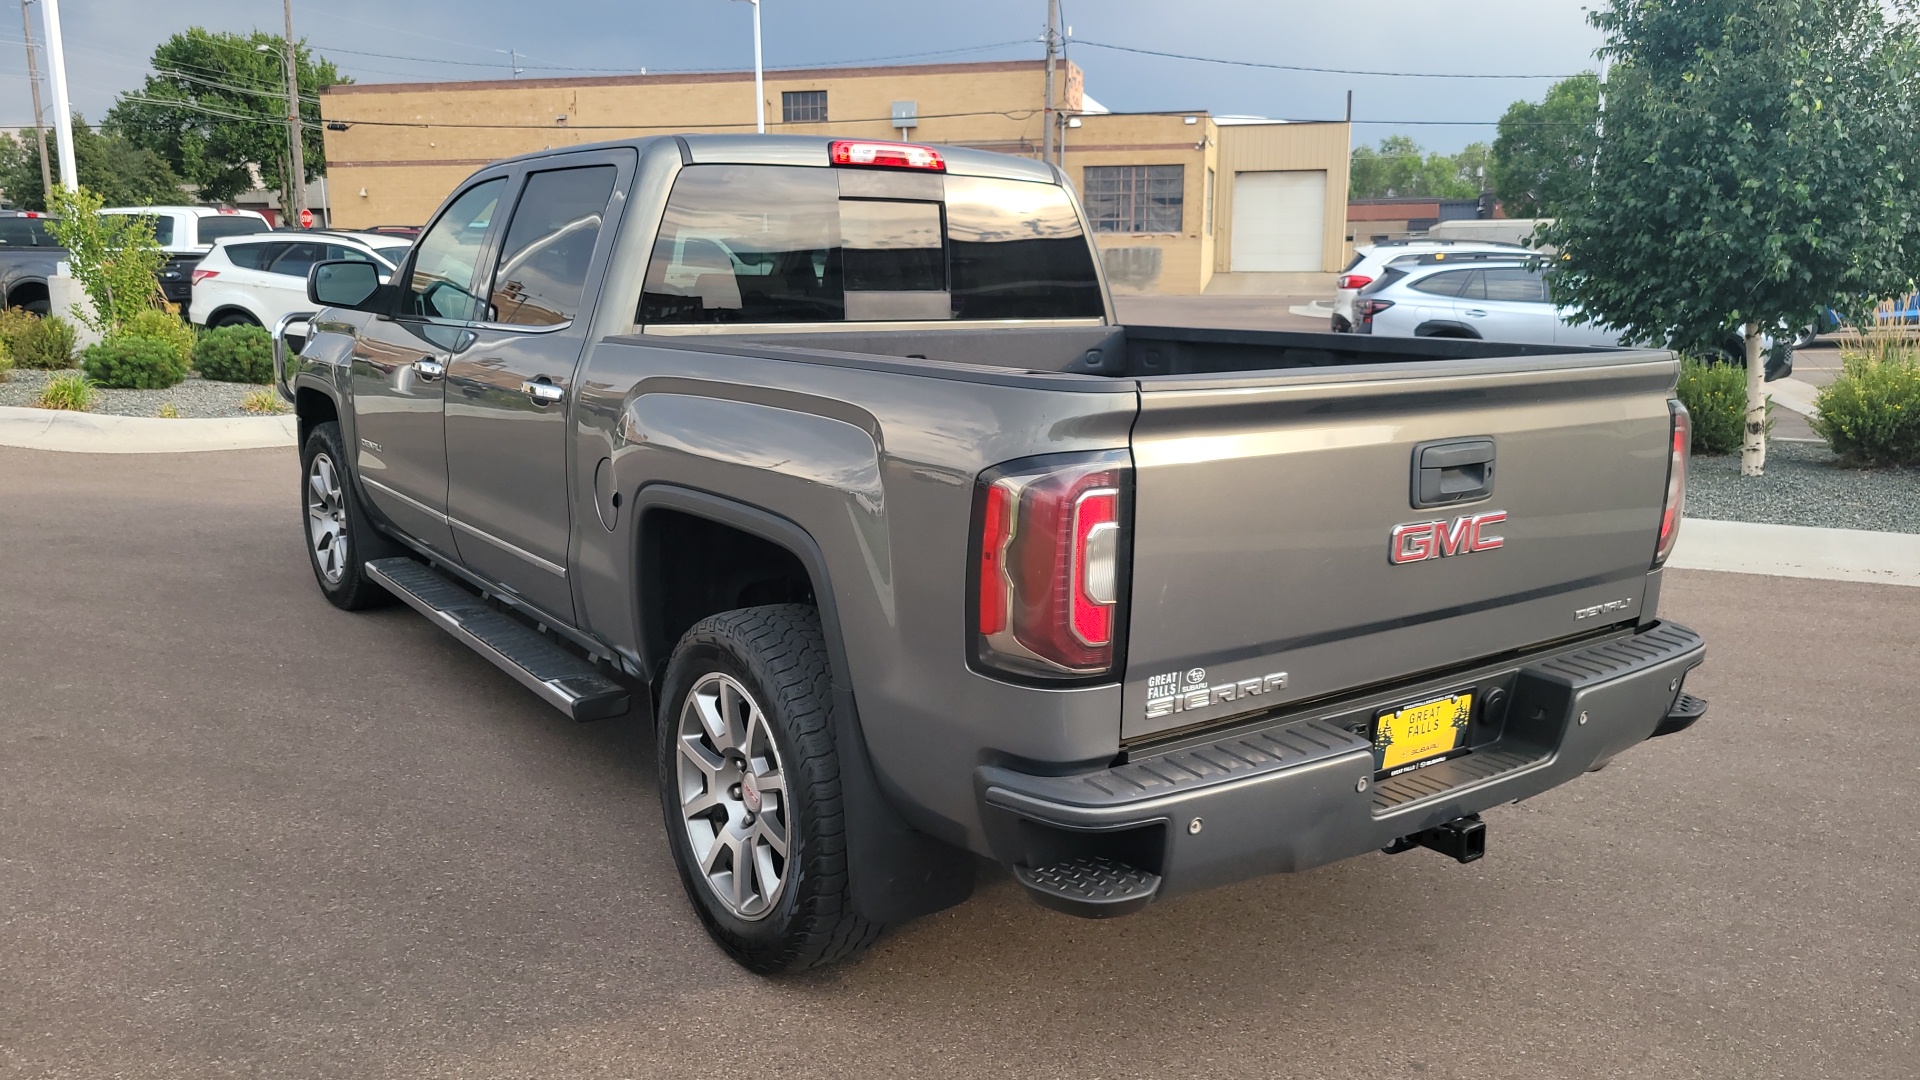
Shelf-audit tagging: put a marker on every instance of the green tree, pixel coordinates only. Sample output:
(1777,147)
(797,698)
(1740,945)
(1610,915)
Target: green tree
(123,174)
(113,257)
(1402,167)
(1760,163)
(1543,158)
(217,106)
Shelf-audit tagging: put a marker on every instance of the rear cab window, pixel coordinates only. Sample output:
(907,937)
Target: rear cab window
(757,244)
(25,232)
(219,226)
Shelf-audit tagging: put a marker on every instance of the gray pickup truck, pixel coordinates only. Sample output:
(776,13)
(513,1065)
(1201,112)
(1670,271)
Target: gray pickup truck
(833,456)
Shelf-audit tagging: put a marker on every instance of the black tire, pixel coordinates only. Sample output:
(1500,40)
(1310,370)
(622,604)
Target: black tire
(234,318)
(339,563)
(778,655)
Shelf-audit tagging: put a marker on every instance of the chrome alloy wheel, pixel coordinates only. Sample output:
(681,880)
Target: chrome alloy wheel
(733,796)
(326,518)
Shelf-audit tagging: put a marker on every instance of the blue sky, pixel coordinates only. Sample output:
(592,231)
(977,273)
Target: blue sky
(108,42)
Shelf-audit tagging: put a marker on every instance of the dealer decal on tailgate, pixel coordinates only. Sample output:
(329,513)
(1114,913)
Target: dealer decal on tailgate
(1173,693)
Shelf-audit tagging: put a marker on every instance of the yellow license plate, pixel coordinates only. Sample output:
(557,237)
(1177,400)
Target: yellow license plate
(1418,734)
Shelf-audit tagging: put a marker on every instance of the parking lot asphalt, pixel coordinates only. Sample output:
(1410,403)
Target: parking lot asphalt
(243,834)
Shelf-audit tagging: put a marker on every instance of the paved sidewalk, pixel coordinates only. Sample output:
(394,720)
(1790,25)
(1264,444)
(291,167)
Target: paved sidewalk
(94,433)
(1797,551)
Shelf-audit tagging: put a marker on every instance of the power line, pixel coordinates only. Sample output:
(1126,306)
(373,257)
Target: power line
(1301,67)
(671,71)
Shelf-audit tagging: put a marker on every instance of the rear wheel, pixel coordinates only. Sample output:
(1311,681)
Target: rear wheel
(234,318)
(340,539)
(750,789)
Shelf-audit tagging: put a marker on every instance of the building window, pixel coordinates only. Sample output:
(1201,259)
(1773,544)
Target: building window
(1136,198)
(803,106)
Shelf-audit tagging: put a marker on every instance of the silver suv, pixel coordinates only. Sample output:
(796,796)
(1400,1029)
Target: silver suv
(1370,261)
(1491,298)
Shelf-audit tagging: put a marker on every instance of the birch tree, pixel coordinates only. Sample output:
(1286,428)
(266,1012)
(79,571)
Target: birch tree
(1759,164)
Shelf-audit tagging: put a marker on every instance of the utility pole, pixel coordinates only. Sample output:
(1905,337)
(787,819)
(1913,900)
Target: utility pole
(1053,49)
(62,107)
(297,182)
(39,114)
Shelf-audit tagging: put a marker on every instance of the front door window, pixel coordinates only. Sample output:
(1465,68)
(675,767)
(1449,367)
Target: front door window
(446,257)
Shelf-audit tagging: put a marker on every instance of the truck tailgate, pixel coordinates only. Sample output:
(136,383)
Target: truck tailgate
(1265,510)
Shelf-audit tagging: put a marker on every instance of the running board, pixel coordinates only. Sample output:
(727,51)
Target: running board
(565,681)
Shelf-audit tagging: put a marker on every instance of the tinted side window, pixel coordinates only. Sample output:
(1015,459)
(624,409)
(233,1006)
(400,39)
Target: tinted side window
(449,254)
(549,246)
(341,251)
(18,232)
(298,258)
(1452,283)
(1018,252)
(253,256)
(213,228)
(747,244)
(1515,284)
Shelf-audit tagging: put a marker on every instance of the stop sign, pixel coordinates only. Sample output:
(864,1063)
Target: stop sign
(306,219)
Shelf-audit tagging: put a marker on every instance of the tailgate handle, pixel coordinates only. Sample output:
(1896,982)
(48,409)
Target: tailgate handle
(1452,471)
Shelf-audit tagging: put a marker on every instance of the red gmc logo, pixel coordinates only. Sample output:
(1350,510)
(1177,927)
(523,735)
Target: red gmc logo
(1444,539)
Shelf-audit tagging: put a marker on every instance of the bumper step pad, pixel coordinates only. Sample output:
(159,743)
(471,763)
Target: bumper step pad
(567,682)
(1091,888)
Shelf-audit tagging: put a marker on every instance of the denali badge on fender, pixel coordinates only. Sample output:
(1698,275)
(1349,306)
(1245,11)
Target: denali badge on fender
(1423,540)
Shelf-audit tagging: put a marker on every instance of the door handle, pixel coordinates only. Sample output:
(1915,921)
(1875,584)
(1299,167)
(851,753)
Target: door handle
(1476,313)
(542,392)
(429,369)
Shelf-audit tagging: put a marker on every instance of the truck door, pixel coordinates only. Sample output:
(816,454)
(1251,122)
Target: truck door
(400,365)
(509,396)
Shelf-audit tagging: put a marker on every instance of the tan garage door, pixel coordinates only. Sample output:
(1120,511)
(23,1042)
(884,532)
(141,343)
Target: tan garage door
(1279,221)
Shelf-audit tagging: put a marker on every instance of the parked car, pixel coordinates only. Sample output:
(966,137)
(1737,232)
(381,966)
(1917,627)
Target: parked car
(1493,298)
(918,554)
(187,233)
(28,256)
(254,280)
(1369,261)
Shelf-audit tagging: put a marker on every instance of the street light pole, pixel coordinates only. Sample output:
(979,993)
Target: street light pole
(62,108)
(1052,115)
(297,183)
(759,88)
(39,114)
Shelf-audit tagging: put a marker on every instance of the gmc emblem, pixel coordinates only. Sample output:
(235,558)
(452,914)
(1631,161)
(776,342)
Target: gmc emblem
(1425,540)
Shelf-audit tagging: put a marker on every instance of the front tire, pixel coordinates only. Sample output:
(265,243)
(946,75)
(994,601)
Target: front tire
(750,789)
(340,539)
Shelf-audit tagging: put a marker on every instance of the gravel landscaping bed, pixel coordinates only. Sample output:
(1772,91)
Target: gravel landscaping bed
(1805,485)
(196,398)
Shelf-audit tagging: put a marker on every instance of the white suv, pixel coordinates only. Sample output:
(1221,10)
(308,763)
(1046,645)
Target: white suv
(1370,260)
(253,280)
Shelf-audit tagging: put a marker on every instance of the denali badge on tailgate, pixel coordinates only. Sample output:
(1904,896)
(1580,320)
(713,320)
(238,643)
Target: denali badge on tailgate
(1423,540)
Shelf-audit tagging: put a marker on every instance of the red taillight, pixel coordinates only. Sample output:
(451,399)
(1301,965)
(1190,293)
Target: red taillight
(1050,564)
(1355,281)
(887,155)
(1369,308)
(33,214)
(1676,505)
(204,275)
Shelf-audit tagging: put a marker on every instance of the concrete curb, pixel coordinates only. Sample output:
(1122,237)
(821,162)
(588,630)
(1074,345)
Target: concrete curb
(96,433)
(1880,558)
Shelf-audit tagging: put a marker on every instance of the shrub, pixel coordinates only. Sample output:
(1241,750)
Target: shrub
(235,354)
(14,322)
(1716,395)
(72,392)
(135,363)
(166,326)
(1870,415)
(264,402)
(6,359)
(168,411)
(45,343)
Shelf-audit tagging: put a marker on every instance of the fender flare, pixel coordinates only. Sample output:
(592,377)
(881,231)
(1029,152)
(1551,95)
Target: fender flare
(1445,328)
(896,872)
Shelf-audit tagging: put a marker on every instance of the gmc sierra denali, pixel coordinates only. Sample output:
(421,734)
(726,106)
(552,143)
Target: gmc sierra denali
(834,454)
